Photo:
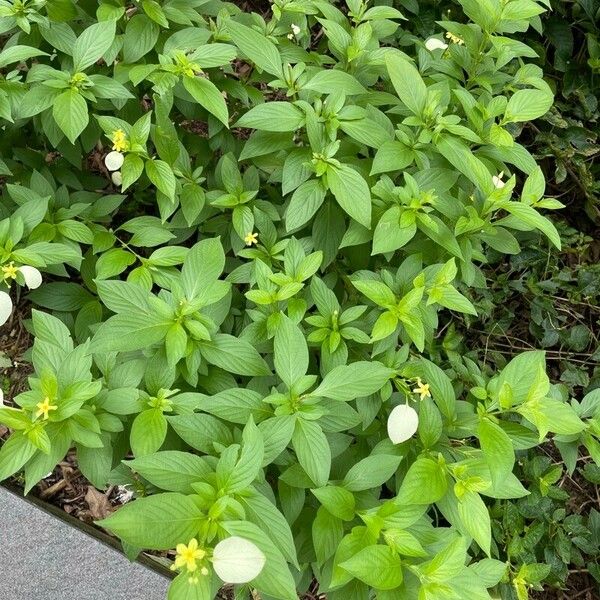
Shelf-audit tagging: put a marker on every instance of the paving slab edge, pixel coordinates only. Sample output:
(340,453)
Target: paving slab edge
(93,532)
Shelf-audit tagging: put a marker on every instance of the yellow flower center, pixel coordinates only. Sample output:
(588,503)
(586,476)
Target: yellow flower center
(422,389)
(188,557)
(119,140)
(43,408)
(9,271)
(251,238)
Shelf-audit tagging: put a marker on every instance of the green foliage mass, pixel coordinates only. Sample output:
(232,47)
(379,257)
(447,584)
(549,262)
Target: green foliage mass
(253,231)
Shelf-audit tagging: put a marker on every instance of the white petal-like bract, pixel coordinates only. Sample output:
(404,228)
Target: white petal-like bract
(117,178)
(402,423)
(33,278)
(114,160)
(6,307)
(434,44)
(237,560)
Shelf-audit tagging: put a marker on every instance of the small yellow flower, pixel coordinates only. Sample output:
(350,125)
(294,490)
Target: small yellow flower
(119,140)
(422,389)
(251,238)
(44,408)
(187,556)
(9,271)
(454,38)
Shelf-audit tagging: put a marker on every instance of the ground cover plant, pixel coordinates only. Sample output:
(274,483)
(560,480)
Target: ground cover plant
(251,236)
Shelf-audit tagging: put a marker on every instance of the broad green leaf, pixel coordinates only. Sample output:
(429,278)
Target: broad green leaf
(377,566)
(171,470)
(161,175)
(92,44)
(312,449)
(206,93)
(273,116)
(351,192)
(346,382)
(260,50)
(424,483)
(527,105)
(371,472)
(234,355)
(158,522)
(291,352)
(70,112)
(407,82)
(497,449)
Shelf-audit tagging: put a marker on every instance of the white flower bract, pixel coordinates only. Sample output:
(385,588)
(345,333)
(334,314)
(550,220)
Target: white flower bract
(237,560)
(33,278)
(117,178)
(114,160)
(497,180)
(402,423)
(434,44)
(6,307)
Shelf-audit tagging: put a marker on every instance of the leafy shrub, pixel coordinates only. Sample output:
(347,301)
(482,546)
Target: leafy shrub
(268,225)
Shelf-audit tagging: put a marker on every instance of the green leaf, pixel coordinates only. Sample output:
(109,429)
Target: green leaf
(476,518)
(351,192)
(14,453)
(92,44)
(260,50)
(18,53)
(273,116)
(182,589)
(70,112)
(171,470)
(346,382)
(371,472)
(234,355)
(127,332)
(201,431)
(304,203)
(158,522)
(407,82)
(313,451)
(206,93)
(527,105)
(161,175)
(334,81)
(262,512)
(291,352)
(148,432)
(141,35)
(424,483)
(527,214)
(203,264)
(389,234)
(497,449)
(377,566)
(327,533)
(337,500)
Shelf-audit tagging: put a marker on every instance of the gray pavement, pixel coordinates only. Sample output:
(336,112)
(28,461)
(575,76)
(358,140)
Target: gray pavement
(43,558)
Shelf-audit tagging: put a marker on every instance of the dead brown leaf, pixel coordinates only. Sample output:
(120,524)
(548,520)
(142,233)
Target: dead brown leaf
(99,504)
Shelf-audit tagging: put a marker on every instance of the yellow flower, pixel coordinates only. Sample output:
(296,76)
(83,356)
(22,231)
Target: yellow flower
(187,556)
(9,271)
(119,140)
(251,238)
(44,408)
(455,38)
(422,389)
